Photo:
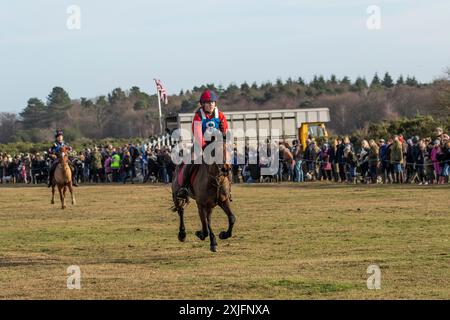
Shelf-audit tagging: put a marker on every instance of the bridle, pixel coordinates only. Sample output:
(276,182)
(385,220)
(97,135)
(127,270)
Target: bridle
(218,179)
(63,157)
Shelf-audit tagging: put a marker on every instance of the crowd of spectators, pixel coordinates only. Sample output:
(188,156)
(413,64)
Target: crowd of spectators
(397,160)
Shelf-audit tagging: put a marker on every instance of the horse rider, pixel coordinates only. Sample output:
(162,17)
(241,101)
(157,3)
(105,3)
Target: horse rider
(207,116)
(53,152)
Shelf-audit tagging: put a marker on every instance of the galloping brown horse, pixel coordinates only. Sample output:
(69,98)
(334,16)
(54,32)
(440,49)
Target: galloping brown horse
(210,188)
(63,178)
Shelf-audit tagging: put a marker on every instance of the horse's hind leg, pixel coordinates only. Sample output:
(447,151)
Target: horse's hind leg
(182,230)
(72,195)
(231,220)
(204,220)
(212,237)
(53,194)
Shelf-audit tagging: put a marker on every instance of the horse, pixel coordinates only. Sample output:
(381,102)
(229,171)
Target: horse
(63,178)
(288,158)
(210,188)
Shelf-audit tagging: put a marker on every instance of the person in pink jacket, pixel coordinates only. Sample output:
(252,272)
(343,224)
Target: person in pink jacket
(434,153)
(108,170)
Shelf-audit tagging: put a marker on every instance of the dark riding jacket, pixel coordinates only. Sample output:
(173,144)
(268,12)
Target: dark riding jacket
(55,149)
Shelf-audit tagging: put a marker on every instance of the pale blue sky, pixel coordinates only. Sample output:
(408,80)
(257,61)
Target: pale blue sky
(187,43)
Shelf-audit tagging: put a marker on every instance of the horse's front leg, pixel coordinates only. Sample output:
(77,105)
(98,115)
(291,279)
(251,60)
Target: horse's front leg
(212,237)
(61,197)
(231,220)
(72,195)
(204,220)
(182,230)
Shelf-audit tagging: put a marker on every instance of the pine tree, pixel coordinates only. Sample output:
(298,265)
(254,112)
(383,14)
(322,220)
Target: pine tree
(375,81)
(135,92)
(232,89)
(245,87)
(333,79)
(412,82)
(116,96)
(387,81)
(346,80)
(279,83)
(400,80)
(35,114)
(58,102)
(58,98)
(359,85)
(300,81)
(314,83)
(86,103)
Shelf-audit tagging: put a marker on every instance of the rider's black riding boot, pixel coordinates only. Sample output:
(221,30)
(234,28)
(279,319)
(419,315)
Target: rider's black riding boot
(51,174)
(183,192)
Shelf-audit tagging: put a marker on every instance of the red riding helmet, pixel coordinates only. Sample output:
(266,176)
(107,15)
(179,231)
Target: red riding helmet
(208,96)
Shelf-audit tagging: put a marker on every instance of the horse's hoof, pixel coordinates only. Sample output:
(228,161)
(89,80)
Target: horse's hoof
(182,236)
(223,235)
(200,235)
(52,202)
(213,248)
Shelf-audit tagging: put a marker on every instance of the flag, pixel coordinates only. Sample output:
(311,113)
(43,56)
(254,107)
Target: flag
(162,91)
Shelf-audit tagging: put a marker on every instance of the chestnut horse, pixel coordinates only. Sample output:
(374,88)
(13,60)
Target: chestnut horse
(62,178)
(210,188)
(288,157)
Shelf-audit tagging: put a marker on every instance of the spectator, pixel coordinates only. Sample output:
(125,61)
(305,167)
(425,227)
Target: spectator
(364,159)
(96,166)
(115,166)
(420,162)
(325,164)
(350,164)
(397,160)
(126,167)
(108,169)
(435,151)
(373,159)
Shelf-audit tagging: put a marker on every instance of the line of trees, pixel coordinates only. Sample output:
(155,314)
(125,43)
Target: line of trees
(354,105)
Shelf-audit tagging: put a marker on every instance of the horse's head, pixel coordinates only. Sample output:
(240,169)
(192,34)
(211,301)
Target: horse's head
(219,170)
(63,154)
(225,169)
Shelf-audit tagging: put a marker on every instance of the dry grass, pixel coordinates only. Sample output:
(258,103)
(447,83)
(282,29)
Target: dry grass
(310,241)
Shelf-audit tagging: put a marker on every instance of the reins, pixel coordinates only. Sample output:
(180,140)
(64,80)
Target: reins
(216,181)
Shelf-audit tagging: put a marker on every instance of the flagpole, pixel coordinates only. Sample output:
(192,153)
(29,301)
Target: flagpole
(160,114)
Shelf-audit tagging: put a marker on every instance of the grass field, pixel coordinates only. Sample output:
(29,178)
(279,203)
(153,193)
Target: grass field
(309,241)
